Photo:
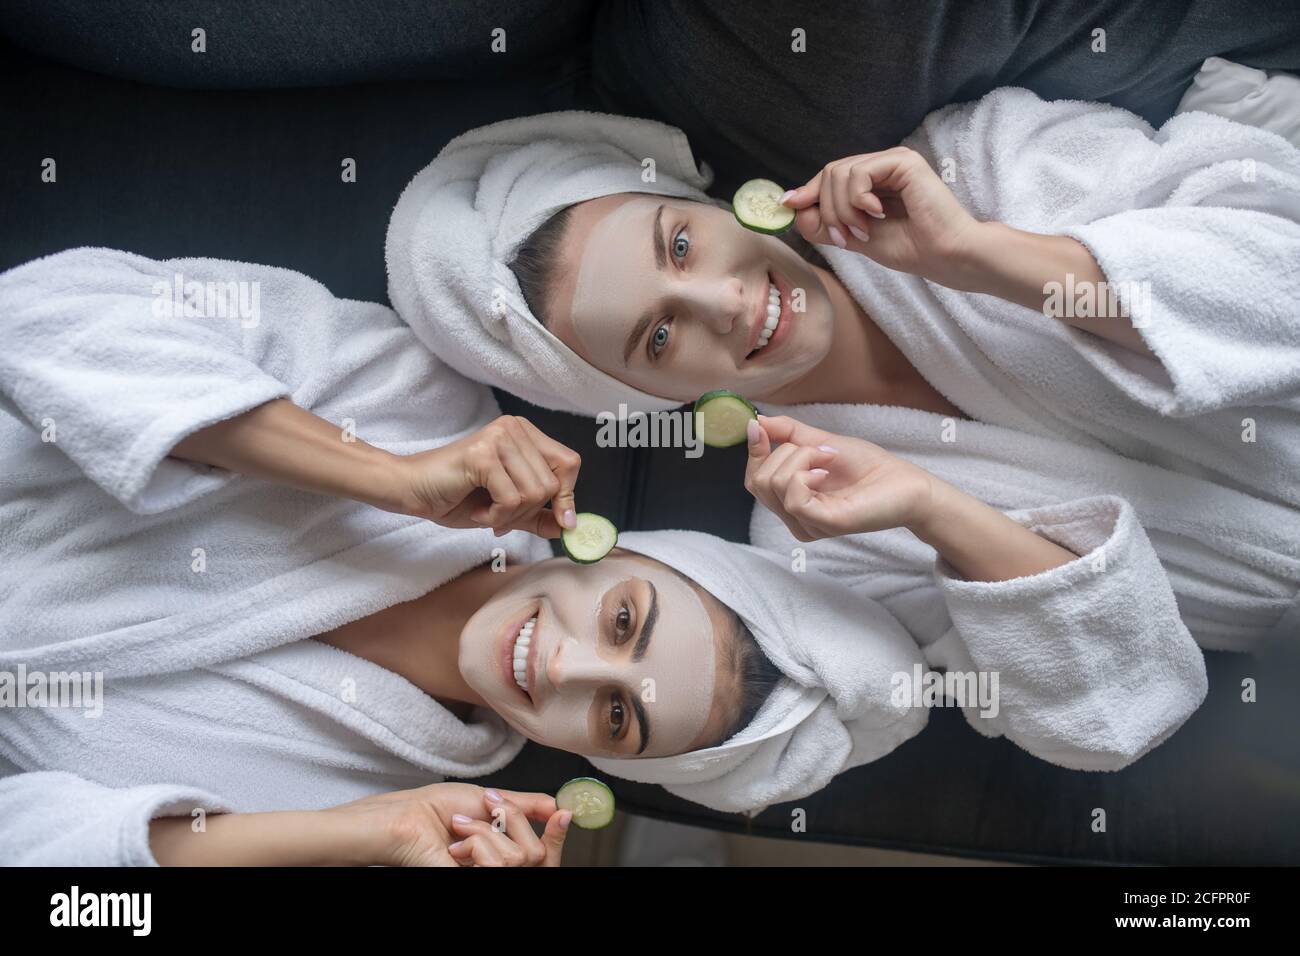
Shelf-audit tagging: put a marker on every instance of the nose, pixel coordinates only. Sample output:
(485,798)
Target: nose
(574,664)
(717,303)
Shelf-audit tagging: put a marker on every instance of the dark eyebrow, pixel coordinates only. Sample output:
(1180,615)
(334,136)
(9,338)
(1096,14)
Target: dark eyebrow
(661,263)
(657,240)
(644,721)
(647,629)
(638,652)
(634,336)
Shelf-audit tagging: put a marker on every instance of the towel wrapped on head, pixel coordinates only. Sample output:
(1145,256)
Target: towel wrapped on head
(460,221)
(833,710)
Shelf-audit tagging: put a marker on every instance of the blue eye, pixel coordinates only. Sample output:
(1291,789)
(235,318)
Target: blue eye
(659,340)
(681,244)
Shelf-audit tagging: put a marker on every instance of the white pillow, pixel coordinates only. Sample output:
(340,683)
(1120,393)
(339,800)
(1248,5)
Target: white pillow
(1268,100)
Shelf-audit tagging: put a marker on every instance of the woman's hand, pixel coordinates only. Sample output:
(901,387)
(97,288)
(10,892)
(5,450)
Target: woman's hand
(892,208)
(501,477)
(823,485)
(459,824)
(443,824)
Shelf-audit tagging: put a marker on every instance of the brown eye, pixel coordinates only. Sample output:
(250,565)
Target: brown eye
(617,717)
(623,624)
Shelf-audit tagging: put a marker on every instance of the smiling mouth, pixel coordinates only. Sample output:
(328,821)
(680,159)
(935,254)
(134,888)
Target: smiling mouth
(521,656)
(773,319)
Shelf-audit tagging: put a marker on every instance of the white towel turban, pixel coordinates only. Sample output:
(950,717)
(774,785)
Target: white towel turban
(460,221)
(839,652)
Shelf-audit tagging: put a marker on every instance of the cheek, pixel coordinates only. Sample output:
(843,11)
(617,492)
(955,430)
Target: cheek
(692,370)
(476,646)
(564,725)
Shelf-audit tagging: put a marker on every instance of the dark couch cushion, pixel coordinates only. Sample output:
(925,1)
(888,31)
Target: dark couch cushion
(726,73)
(254,44)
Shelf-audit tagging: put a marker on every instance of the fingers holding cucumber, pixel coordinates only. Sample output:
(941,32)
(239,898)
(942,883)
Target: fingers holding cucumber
(507,475)
(892,207)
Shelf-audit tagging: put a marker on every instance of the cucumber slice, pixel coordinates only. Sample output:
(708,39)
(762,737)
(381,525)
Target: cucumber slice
(590,800)
(590,539)
(757,204)
(723,417)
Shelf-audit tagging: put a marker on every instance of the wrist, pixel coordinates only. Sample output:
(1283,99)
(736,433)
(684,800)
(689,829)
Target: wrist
(973,263)
(939,514)
(386,481)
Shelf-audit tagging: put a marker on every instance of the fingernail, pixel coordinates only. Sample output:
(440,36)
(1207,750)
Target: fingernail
(456,846)
(785,195)
(752,431)
(570,519)
(819,472)
(837,237)
(877,215)
(492,795)
(859,233)
(830,450)
(565,817)
(460,818)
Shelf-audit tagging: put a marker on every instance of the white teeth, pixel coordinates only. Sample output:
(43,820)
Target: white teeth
(773,316)
(523,642)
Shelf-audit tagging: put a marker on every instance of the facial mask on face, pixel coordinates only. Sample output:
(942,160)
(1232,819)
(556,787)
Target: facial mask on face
(578,664)
(674,680)
(680,662)
(616,276)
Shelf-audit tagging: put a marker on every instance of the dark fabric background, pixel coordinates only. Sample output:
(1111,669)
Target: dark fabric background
(165,170)
(723,70)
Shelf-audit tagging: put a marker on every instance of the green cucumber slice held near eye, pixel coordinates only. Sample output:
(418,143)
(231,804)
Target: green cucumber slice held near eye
(590,800)
(723,417)
(757,204)
(590,539)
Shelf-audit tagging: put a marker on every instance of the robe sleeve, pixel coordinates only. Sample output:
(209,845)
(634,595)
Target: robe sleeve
(52,818)
(1196,227)
(1094,666)
(1212,292)
(115,358)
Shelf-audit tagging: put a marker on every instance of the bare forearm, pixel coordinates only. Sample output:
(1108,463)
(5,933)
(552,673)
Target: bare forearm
(1022,267)
(983,544)
(288,445)
(257,839)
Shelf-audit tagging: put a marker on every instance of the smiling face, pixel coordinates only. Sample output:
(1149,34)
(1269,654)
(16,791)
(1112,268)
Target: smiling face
(622,658)
(673,297)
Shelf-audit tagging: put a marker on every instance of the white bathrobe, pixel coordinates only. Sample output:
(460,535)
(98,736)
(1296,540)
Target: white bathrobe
(1080,650)
(1232,560)
(1206,212)
(191,589)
